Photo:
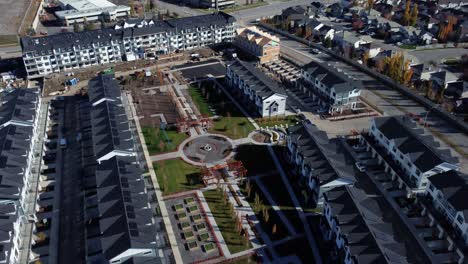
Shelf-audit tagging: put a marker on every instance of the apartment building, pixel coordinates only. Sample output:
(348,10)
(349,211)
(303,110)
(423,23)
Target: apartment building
(318,161)
(67,51)
(80,11)
(261,45)
(263,96)
(410,155)
(19,110)
(333,90)
(448,192)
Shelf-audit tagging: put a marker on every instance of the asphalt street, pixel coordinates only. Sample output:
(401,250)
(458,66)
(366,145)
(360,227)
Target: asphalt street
(388,100)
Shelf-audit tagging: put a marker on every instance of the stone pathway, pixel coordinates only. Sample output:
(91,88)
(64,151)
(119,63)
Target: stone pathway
(166,156)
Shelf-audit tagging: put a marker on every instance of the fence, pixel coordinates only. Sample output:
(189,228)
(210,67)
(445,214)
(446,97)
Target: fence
(460,124)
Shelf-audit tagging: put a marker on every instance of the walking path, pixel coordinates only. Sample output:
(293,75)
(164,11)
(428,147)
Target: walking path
(275,207)
(162,206)
(166,156)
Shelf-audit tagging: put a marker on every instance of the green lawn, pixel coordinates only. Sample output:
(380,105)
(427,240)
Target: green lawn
(156,141)
(199,101)
(272,121)
(175,175)
(230,122)
(404,46)
(235,241)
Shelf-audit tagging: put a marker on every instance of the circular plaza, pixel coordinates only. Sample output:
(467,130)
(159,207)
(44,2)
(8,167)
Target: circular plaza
(207,149)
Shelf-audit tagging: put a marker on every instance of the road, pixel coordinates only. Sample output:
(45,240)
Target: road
(9,52)
(388,100)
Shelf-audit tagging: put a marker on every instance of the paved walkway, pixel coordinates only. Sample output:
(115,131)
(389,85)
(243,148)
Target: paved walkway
(242,141)
(275,207)
(162,206)
(166,156)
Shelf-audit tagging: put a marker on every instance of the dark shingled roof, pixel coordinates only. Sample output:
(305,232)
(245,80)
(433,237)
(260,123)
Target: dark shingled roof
(331,77)
(117,213)
(256,79)
(87,38)
(454,186)
(17,115)
(409,140)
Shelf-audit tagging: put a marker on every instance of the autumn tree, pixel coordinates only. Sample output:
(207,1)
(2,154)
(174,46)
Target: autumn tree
(132,8)
(414,15)
(397,68)
(445,29)
(365,58)
(406,14)
(370,5)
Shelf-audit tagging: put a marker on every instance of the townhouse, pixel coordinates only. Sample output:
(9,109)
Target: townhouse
(410,156)
(119,219)
(448,191)
(363,228)
(264,96)
(66,51)
(319,162)
(262,45)
(333,90)
(18,135)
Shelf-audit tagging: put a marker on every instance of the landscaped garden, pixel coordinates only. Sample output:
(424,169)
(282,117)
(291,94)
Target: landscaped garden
(276,121)
(159,141)
(175,176)
(229,121)
(270,221)
(224,219)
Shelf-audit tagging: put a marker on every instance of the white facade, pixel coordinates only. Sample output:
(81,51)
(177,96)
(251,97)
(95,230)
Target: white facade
(92,48)
(265,104)
(327,95)
(456,218)
(419,178)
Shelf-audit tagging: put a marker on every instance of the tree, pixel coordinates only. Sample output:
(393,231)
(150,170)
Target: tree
(248,189)
(76,27)
(266,215)
(273,229)
(152,5)
(445,29)
(414,15)
(370,5)
(257,202)
(365,58)
(132,8)
(407,15)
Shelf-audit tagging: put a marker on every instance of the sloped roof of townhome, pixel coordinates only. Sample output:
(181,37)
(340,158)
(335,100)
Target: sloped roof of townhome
(331,77)
(256,79)
(108,118)
(17,115)
(422,150)
(321,154)
(254,35)
(119,215)
(454,186)
(87,38)
(371,228)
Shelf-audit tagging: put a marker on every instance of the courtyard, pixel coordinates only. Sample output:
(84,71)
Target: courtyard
(160,141)
(175,175)
(228,119)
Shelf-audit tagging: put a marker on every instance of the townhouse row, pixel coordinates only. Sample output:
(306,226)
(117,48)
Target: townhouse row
(19,135)
(392,195)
